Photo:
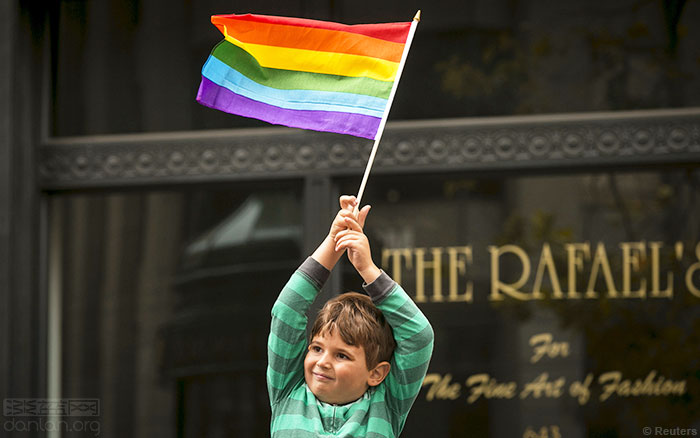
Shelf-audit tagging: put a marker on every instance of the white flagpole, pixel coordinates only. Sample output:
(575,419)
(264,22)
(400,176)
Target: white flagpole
(378,137)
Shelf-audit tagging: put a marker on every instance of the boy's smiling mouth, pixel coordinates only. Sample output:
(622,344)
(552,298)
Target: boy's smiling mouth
(322,377)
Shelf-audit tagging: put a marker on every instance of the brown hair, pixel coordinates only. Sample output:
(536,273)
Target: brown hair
(360,323)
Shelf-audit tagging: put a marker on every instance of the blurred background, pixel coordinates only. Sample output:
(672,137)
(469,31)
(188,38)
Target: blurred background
(538,179)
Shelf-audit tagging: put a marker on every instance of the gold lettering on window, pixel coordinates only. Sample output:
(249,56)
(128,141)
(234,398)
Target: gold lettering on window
(656,291)
(459,258)
(435,266)
(547,263)
(633,257)
(497,286)
(600,262)
(575,254)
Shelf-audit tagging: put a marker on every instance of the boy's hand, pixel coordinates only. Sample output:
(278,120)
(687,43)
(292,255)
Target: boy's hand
(354,240)
(347,209)
(326,253)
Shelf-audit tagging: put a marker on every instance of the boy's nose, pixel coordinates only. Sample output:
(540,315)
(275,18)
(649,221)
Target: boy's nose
(324,361)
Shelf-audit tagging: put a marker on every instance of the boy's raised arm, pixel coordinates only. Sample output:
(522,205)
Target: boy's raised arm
(412,331)
(414,344)
(287,344)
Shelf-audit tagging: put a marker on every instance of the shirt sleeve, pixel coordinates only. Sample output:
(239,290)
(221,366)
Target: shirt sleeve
(286,344)
(414,344)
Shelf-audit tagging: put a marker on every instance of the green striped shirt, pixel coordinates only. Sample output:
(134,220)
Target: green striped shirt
(381,412)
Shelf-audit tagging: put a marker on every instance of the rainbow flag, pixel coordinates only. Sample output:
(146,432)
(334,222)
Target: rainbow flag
(304,73)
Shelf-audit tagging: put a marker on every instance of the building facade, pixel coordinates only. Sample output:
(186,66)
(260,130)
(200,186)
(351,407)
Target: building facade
(535,191)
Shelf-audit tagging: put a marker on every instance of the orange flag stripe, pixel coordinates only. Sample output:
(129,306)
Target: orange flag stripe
(308,38)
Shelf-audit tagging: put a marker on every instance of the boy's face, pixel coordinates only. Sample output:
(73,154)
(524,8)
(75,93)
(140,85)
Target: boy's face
(334,371)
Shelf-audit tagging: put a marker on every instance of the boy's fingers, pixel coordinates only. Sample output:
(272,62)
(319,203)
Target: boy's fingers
(342,241)
(348,234)
(339,221)
(347,242)
(363,215)
(347,202)
(347,213)
(344,233)
(353,224)
(341,244)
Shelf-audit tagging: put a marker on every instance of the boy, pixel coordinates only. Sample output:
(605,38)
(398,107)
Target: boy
(356,377)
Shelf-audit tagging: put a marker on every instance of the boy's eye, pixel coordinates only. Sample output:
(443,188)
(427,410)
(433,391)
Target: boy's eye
(342,356)
(315,348)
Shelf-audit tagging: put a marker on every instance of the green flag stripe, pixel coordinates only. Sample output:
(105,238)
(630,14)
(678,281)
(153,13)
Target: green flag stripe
(247,65)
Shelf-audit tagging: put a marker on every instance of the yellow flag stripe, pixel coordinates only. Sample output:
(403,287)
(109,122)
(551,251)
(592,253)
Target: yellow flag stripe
(341,64)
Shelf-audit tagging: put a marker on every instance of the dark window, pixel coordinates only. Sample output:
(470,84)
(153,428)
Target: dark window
(123,67)
(165,299)
(633,314)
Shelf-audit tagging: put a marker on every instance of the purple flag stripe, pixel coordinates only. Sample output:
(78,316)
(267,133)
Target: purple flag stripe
(220,98)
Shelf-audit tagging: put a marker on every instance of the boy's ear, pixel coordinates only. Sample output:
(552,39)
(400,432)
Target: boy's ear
(378,373)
